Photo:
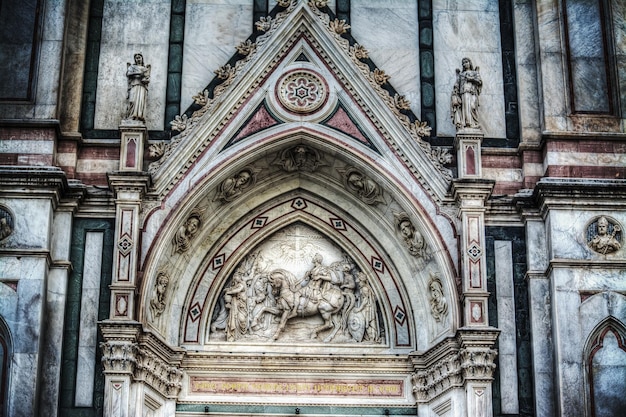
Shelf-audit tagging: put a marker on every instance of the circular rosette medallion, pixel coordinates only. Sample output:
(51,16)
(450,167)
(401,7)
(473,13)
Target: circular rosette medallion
(302,91)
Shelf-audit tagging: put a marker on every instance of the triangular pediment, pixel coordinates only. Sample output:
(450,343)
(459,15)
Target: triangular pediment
(301,73)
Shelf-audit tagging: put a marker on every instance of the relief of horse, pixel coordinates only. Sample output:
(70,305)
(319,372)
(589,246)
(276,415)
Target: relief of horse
(293,300)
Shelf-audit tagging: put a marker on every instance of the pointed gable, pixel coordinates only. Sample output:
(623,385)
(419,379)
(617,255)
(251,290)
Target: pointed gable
(249,96)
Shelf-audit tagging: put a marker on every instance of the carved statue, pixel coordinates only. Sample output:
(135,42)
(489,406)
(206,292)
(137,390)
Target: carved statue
(232,187)
(605,240)
(357,182)
(438,303)
(157,303)
(464,100)
(138,76)
(299,158)
(413,239)
(182,239)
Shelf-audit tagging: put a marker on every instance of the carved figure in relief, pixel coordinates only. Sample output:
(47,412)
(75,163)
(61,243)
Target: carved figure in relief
(157,303)
(235,302)
(6,224)
(413,239)
(232,187)
(367,189)
(323,298)
(364,319)
(464,100)
(299,158)
(438,302)
(181,242)
(605,241)
(138,76)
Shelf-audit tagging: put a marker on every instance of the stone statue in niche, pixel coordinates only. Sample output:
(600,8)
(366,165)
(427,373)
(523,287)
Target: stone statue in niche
(413,239)
(362,186)
(181,242)
(604,235)
(233,187)
(138,75)
(6,223)
(157,303)
(438,302)
(464,100)
(287,291)
(299,158)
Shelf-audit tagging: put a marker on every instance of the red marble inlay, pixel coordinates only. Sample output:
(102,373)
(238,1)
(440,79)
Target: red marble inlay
(342,122)
(261,120)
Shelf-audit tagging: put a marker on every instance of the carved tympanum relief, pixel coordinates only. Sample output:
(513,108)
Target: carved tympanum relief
(361,185)
(185,234)
(233,187)
(604,235)
(6,223)
(297,286)
(413,239)
(300,158)
(464,99)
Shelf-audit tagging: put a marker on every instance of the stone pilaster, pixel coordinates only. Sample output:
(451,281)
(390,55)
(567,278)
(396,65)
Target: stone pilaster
(467,143)
(129,189)
(134,135)
(471,195)
(477,361)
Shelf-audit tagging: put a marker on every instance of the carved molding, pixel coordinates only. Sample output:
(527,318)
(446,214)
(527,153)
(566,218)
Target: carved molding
(119,357)
(158,374)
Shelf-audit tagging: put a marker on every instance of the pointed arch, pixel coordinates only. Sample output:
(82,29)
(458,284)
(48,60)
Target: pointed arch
(605,368)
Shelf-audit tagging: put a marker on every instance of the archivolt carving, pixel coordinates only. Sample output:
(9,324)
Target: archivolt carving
(233,187)
(157,302)
(361,185)
(286,289)
(185,234)
(413,239)
(438,302)
(300,158)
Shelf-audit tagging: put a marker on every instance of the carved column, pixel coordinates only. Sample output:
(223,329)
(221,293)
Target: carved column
(129,188)
(477,361)
(119,358)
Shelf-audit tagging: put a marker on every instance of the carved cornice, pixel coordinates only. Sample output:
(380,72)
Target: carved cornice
(129,350)
(466,357)
(133,182)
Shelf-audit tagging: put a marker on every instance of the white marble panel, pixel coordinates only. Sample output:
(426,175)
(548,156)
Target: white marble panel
(472,30)
(32,221)
(61,236)
(212,30)
(89,319)
(536,248)
(506,323)
(51,361)
(568,234)
(389,31)
(23,398)
(128,28)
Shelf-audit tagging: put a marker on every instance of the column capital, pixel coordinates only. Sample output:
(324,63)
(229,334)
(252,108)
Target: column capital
(472,192)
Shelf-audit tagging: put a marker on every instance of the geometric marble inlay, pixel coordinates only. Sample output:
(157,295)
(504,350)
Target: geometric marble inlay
(125,244)
(195,312)
(302,91)
(218,261)
(399,315)
(377,264)
(474,251)
(298,204)
(259,222)
(338,224)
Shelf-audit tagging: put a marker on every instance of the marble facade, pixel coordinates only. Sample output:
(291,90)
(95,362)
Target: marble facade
(283,232)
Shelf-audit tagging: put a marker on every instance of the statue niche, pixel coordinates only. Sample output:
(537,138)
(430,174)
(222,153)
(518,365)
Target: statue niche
(297,286)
